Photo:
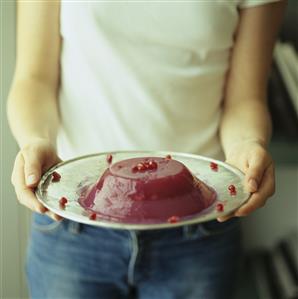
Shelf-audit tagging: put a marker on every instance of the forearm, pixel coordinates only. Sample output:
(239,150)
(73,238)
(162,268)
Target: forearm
(32,111)
(246,121)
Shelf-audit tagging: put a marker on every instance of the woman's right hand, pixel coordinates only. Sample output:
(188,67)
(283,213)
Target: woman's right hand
(31,162)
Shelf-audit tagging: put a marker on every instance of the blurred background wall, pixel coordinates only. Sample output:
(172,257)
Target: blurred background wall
(261,230)
(14,224)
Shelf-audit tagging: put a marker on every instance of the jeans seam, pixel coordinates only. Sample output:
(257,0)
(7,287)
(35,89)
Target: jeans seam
(74,227)
(133,257)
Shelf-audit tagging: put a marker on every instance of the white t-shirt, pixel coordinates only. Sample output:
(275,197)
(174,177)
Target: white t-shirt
(144,75)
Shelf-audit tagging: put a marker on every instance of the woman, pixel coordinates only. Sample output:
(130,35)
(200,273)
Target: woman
(177,76)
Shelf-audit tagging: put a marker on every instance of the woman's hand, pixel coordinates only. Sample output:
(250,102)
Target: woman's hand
(30,163)
(254,160)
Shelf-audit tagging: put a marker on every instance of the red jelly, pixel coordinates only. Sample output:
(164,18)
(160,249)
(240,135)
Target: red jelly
(147,190)
(56,176)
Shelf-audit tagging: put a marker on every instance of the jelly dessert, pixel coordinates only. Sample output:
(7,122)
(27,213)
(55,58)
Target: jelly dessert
(147,190)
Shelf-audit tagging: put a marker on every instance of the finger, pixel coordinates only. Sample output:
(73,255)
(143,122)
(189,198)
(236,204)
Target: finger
(27,198)
(25,194)
(50,162)
(257,166)
(19,159)
(226,217)
(259,198)
(32,167)
(54,216)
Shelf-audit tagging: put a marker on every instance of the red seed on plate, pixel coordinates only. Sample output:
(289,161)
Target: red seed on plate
(214,166)
(63,201)
(219,207)
(168,157)
(173,219)
(56,176)
(92,216)
(232,190)
(109,158)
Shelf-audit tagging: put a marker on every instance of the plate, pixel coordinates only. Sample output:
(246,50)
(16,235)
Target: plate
(83,171)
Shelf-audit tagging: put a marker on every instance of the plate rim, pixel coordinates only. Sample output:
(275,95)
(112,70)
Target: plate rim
(133,226)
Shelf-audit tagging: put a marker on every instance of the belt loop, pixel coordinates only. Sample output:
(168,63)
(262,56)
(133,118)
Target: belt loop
(74,227)
(191,231)
(186,230)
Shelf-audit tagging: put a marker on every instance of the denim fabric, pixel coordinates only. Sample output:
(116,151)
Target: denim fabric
(77,261)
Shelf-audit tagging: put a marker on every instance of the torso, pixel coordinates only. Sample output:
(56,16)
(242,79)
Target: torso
(141,75)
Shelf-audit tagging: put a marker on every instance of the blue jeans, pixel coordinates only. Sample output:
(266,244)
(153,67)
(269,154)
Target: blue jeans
(77,261)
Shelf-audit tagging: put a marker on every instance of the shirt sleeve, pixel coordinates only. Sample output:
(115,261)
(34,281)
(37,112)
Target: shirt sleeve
(252,3)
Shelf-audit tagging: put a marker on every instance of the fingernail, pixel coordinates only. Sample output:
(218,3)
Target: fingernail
(31,179)
(253,185)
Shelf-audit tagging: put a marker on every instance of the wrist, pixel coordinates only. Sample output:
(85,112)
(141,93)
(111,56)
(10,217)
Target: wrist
(34,139)
(234,146)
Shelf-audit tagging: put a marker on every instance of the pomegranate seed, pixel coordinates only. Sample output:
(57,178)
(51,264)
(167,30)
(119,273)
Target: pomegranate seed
(219,207)
(141,167)
(232,190)
(56,176)
(168,157)
(173,219)
(109,158)
(213,166)
(135,169)
(152,165)
(63,201)
(92,216)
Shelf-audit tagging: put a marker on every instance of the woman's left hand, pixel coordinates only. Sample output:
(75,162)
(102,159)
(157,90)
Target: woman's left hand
(254,160)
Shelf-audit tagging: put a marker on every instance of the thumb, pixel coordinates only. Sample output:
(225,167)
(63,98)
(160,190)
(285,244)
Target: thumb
(254,174)
(32,168)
